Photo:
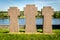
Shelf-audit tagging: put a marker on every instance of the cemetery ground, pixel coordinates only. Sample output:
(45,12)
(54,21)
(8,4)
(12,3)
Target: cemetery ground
(5,35)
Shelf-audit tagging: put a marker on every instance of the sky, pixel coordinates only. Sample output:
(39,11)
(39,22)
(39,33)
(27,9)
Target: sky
(5,4)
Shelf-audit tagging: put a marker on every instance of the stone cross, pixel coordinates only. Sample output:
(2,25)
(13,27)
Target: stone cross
(30,11)
(47,12)
(13,12)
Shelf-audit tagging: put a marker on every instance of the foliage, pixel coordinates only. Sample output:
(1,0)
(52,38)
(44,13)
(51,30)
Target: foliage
(4,14)
(39,15)
(56,14)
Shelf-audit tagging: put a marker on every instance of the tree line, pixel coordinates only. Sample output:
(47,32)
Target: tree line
(4,14)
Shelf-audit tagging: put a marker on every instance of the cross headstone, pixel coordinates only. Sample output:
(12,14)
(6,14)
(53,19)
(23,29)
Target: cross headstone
(47,12)
(13,12)
(30,11)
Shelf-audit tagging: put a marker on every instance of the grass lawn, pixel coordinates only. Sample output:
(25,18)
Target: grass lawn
(4,35)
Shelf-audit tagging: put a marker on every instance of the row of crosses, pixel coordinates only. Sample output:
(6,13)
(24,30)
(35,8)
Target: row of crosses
(30,11)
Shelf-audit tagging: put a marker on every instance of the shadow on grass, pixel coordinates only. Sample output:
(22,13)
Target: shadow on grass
(23,30)
(40,31)
(4,30)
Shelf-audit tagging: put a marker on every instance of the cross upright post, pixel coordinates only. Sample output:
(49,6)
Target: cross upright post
(14,12)
(47,12)
(30,11)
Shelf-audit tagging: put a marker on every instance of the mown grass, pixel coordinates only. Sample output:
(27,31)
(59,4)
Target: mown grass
(4,35)
(4,30)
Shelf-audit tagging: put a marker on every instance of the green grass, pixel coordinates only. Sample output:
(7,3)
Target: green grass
(56,30)
(4,35)
(4,30)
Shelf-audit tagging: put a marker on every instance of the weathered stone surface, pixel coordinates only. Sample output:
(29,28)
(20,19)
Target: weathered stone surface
(13,12)
(30,11)
(47,12)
